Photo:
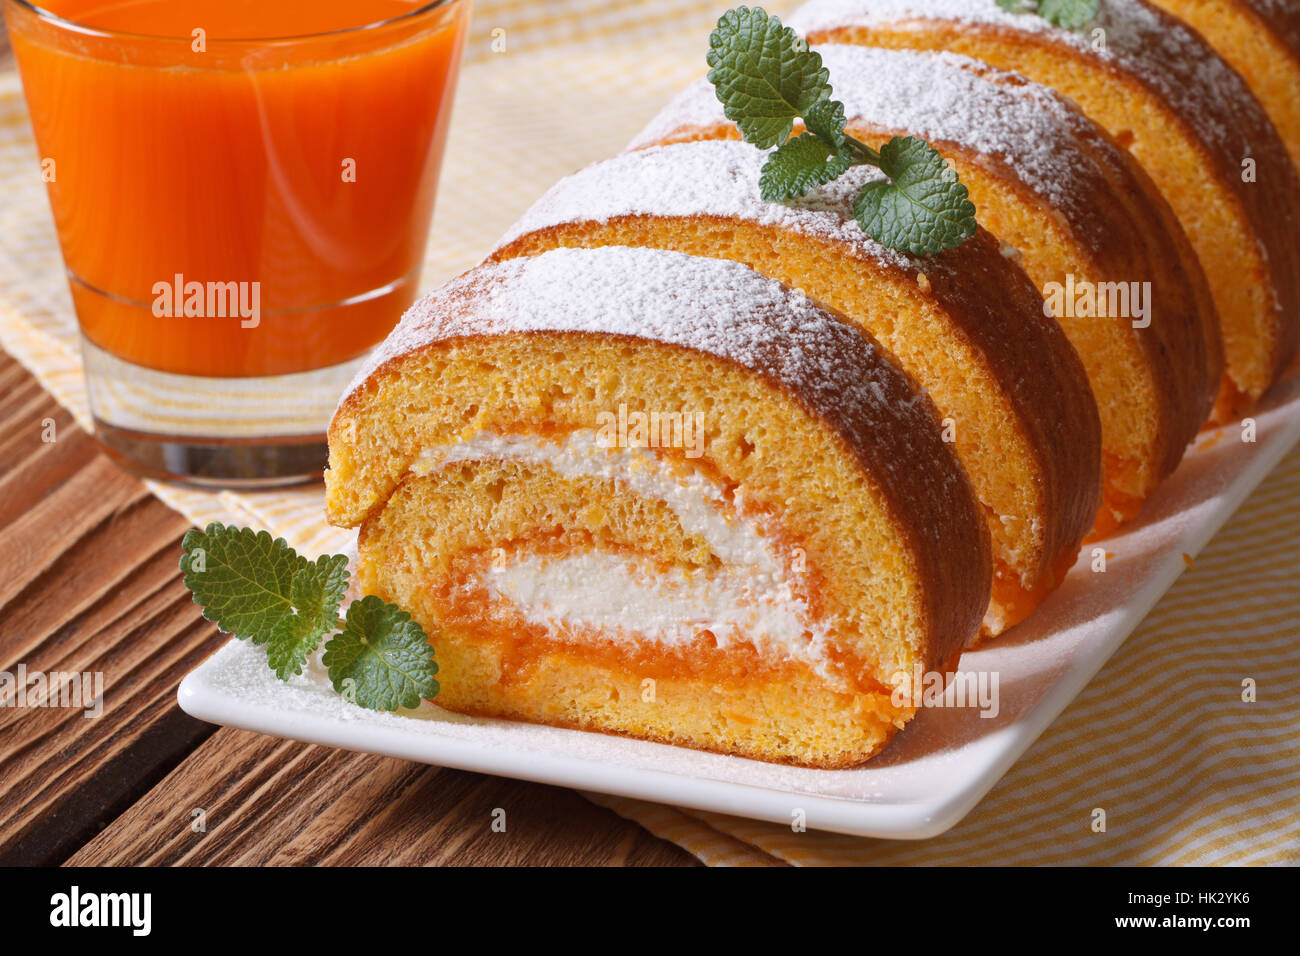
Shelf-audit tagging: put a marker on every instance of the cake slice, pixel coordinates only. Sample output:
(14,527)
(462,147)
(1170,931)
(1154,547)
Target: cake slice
(1091,229)
(968,324)
(1261,39)
(768,585)
(1188,117)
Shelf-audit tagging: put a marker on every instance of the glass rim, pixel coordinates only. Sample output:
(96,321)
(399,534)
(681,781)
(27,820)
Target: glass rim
(62,22)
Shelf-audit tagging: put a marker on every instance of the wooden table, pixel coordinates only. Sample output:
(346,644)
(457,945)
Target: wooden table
(88,582)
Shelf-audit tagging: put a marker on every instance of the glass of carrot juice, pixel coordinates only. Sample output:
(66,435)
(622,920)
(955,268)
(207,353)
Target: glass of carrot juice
(242,191)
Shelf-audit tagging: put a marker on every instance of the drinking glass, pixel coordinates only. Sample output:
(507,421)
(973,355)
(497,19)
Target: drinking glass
(242,191)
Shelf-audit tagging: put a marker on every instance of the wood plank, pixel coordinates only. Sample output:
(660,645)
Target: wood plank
(88,559)
(270,802)
(29,467)
(89,583)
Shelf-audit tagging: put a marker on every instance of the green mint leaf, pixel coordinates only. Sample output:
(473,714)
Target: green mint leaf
(799,165)
(1069,14)
(764,75)
(924,209)
(825,119)
(242,579)
(381,659)
(316,593)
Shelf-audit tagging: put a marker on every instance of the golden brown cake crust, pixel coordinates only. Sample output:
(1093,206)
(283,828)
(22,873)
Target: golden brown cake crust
(981,289)
(1175,349)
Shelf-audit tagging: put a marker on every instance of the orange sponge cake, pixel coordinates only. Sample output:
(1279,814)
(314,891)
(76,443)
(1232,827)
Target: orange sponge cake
(1080,212)
(1261,39)
(759,587)
(968,324)
(1162,91)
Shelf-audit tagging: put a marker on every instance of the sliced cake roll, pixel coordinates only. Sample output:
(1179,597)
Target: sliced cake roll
(968,324)
(1261,39)
(1091,230)
(1188,117)
(646,493)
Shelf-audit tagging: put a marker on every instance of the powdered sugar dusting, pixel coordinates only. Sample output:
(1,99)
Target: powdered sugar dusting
(718,178)
(944,97)
(1166,54)
(707,305)
(697,106)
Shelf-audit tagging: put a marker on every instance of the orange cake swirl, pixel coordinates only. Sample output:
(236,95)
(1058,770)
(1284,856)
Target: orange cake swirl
(1090,228)
(761,591)
(968,324)
(1159,88)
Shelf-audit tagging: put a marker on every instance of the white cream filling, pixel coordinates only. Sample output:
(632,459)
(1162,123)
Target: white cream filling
(750,599)
(621,595)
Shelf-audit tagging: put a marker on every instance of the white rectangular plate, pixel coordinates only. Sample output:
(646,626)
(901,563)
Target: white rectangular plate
(932,775)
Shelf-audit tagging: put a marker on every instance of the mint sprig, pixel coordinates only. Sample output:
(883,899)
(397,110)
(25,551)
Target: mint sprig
(764,75)
(766,78)
(800,164)
(920,206)
(258,588)
(381,656)
(241,578)
(316,594)
(1068,14)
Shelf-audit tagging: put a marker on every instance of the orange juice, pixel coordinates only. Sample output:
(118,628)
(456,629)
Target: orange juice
(240,187)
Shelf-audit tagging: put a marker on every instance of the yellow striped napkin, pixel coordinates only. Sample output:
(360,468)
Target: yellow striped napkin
(1186,772)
